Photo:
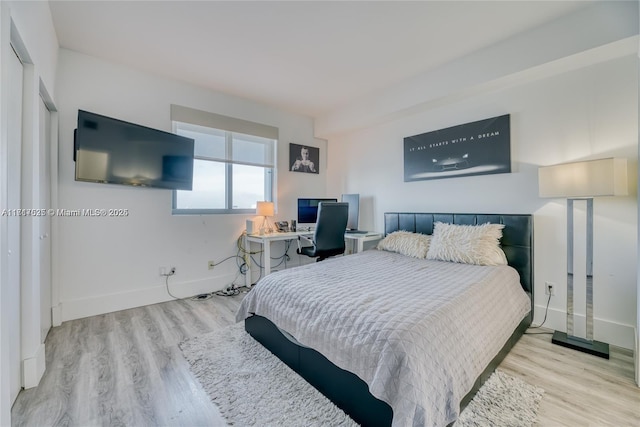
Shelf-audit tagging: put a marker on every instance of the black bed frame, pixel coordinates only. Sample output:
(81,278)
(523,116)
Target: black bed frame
(348,391)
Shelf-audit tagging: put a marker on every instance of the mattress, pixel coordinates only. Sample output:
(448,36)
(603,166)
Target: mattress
(418,332)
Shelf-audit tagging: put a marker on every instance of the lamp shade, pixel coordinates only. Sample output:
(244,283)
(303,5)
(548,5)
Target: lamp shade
(590,178)
(265,209)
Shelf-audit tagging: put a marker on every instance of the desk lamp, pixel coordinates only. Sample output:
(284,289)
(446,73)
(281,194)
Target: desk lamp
(581,182)
(265,209)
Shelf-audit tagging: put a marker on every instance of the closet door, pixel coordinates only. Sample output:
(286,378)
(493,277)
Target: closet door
(45,221)
(13,234)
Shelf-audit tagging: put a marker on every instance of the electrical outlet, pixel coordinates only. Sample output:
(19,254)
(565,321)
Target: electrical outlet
(165,273)
(211,264)
(549,288)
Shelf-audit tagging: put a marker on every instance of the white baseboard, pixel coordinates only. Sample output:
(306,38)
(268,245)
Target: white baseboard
(607,331)
(108,303)
(636,355)
(33,368)
(56,315)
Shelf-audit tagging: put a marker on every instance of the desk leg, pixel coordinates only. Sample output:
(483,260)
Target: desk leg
(266,248)
(247,261)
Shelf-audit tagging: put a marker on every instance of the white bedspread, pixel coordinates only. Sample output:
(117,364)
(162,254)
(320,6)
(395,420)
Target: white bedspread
(418,332)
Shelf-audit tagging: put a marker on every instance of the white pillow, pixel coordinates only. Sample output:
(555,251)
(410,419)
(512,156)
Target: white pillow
(406,243)
(468,244)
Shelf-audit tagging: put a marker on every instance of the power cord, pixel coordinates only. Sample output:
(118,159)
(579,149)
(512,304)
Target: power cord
(166,282)
(284,257)
(229,291)
(233,289)
(242,253)
(241,248)
(243,267)
(546,310)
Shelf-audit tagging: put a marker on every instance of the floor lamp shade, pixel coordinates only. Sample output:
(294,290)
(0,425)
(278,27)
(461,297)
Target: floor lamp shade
(582,181)
(591,178)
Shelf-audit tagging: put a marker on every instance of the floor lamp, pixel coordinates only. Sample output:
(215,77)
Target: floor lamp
(582,181)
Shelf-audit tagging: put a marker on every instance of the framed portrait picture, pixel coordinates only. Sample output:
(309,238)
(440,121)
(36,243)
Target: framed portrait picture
(476,148)
(303,158)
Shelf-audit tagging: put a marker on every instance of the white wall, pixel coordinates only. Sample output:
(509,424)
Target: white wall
(108,264)
(569,41)
(590,112)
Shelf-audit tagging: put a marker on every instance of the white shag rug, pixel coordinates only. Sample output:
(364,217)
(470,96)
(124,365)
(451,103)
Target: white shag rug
(504,401)
(252,387)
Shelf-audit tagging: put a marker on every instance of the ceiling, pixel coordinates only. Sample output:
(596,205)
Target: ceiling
(305,57)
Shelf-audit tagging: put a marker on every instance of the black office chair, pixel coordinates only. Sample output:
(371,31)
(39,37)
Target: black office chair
(328,237)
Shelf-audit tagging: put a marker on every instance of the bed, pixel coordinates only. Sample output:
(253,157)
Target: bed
(356,329)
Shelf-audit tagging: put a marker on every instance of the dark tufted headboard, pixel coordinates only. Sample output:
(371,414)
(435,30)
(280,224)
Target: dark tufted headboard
(517,235)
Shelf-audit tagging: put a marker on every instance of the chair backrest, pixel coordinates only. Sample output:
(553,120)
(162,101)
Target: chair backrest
(331,225)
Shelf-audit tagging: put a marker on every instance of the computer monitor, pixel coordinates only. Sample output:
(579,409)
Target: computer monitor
(354,210)
(308,211)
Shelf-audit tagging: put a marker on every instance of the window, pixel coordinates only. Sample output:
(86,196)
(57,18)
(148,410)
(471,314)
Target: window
(232,170)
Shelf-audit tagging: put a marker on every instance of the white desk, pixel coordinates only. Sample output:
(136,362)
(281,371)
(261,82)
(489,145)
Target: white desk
(266,239)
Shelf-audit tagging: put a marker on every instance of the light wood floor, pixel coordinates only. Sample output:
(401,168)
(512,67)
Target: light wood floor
(125,369)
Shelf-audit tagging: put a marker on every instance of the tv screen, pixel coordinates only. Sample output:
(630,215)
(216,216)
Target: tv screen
(354,210)
(308,210)
(113,151)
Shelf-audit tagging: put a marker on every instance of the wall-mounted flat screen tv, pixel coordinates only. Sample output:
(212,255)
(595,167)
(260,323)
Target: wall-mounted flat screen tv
(113,151)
